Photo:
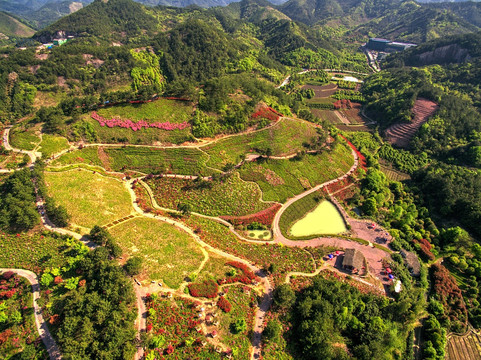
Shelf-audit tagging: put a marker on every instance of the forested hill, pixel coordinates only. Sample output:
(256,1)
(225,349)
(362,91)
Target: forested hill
(451,49)
(124,18)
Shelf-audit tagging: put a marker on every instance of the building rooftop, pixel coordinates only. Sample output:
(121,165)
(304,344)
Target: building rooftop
(353,259)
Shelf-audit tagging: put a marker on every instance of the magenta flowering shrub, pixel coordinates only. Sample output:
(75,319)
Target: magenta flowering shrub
(129,124)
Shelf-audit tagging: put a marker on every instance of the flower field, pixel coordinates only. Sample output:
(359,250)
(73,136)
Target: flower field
(231,196)
(173,333)
(139,125)
(284,138)
(219,236)
(151,121)
(295,175)
(90,198)
(169,254)
(34,252)
(17,324)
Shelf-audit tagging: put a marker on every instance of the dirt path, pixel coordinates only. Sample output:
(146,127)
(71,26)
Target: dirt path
(33,155)
(47,339)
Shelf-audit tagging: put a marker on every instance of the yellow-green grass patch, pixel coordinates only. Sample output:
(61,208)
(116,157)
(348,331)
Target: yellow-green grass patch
(169,254)
(52,144)
(90,198)
(284,138)
(282,179)
(324,219)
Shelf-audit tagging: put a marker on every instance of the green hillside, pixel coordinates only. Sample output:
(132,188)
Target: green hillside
(12,27)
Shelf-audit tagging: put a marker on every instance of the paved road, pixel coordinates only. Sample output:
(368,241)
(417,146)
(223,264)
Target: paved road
(50,344)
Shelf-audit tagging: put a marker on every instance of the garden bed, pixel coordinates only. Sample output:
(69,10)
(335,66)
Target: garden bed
(231,196)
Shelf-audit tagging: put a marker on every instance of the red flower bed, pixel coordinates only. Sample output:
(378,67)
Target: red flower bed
(444,285)
(129,124)
(362,159)
(224,304)
(267,113)
(425,247)
(208,289)
(263,217)
(247,277)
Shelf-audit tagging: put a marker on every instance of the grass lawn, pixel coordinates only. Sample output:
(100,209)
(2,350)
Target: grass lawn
(88,155)
(241,309)
(282,179)
(18,326)
(183,161)
(324,219)
(284,138)
(232,196)
(169,254)
(24,138)
(33,252)
(157,111)
(52,144)
(259,234)
(91,199)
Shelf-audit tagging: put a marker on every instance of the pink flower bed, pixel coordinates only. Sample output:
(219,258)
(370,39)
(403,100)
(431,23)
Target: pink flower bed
(129,124)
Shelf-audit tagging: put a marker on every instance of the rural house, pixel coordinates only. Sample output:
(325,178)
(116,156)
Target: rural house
(353,261)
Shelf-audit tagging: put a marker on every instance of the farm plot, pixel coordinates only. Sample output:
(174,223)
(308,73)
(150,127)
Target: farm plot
(282,179)
(169,254)
(328,115)
(182,161)
(467,347)
(90,198)
(17,328)
(284,138)
(231,196)
(394,175)
(323,91)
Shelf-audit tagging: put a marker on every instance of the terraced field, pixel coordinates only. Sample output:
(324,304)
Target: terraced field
(400,134)
(467,347)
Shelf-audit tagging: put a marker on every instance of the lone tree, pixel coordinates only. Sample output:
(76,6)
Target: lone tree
(133,266)
(284,296)
(184,208)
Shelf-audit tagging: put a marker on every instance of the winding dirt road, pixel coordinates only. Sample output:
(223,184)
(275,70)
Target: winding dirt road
(47,339)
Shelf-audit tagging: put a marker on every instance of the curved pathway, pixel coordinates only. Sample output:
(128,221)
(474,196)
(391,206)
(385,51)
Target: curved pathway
(33,155)
(268,288)
(47,339)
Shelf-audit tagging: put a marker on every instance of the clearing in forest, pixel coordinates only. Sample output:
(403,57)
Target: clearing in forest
(90,198)
(170,254)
